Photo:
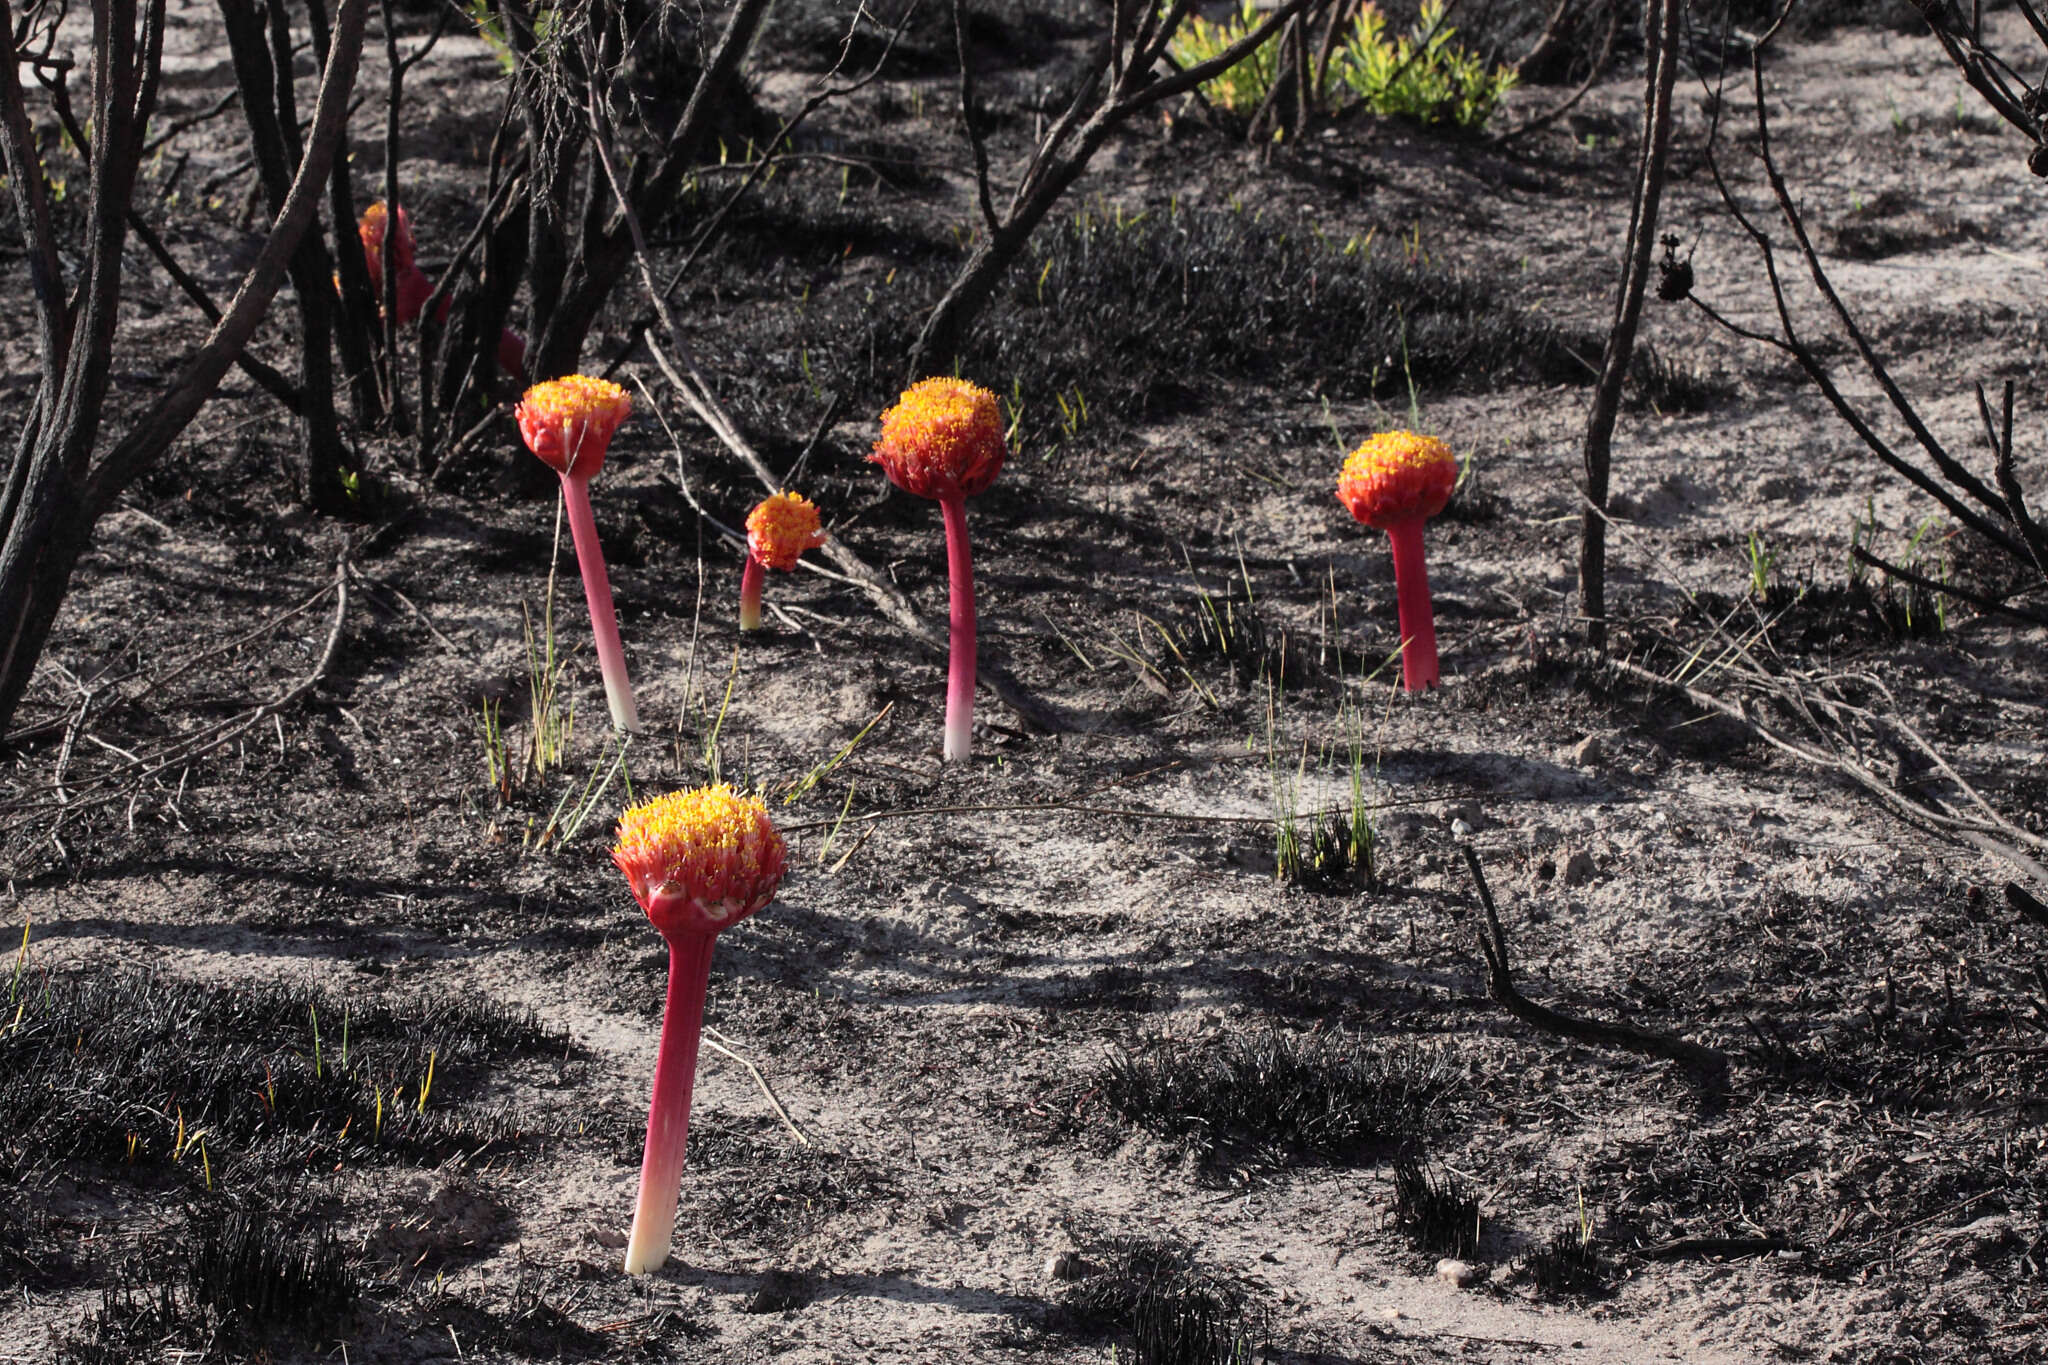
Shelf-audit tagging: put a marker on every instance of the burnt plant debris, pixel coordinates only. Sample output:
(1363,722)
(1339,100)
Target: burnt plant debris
(1274,1097)
(1161,1306)
(1668,384)
(1436,1213)
(1567,1266)
(1143,314)
(132,1323)
(260,1275)
(817,35)
(136,1070)
(1228,633)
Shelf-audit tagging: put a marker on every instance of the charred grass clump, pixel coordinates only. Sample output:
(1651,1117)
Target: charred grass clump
(249,1279)
(1567,1266)
(259,1275)
(1437,1214)
(144,1072)
(1667,384)
(1161,1307)
(1276,1099)
(1140,314)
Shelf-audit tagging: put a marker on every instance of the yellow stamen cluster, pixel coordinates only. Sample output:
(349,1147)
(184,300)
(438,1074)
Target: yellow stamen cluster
(1397,476)
(700,860)
(943,438)
(781,528)
(569,422)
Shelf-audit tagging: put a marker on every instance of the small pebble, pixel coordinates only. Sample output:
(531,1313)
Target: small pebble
(1458,1274)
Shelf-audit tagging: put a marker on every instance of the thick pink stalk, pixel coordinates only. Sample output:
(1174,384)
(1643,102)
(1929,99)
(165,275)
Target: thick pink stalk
(960,674)
(668,1116)
(1418,620)
(750,594)
(597,591)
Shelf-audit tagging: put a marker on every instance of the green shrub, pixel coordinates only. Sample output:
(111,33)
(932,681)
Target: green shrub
(1422,74)
(1241,89)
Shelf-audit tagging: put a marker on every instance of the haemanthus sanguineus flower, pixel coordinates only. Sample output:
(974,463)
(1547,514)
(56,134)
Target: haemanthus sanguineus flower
(569,423)
(698,862)
(779,530)
(1395,482)
(413,286)
(944,440)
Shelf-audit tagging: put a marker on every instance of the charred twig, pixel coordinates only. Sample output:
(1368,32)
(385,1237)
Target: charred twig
(1690,1248)
(1628,310)
(1707,1064)
(1122,81)
(2024,902)
(1959,492)
(1920,580)
(642,328)
(1537,122)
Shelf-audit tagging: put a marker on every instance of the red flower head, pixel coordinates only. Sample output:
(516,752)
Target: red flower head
(781,528)
(569,422)
(1397,476)
(700,861)
(943,438)
(372,229)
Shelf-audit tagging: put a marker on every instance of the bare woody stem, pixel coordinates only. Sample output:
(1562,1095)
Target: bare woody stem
(668,1114)
(750,594)
(597,592)
(960,673)
(1418,618)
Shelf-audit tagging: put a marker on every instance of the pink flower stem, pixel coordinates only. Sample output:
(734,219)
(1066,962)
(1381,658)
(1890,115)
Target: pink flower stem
(1418,621)
(597,591)
(750,594)
(668,1115)
(960,676)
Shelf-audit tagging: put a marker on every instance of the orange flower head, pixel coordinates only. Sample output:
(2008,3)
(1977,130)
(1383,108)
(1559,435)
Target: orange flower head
(700,861)
(943,438)
(569,422)
(781,528)
(1397,476)
(371,230)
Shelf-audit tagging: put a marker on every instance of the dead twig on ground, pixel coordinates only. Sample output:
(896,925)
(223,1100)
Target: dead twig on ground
(1707,1064)
(723,1046)
(1692,1248)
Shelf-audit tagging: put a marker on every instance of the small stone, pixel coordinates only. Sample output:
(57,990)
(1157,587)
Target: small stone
(1578,868)
(1391,1315)
(1468,814)
(1065,1266)
(1588,752)
(1457,1274)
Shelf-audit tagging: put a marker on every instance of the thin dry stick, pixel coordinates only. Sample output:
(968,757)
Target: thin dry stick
(1707,1064)
(721,1044)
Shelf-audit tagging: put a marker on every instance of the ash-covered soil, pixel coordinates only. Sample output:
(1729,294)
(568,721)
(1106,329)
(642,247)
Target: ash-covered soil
(331,1043)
